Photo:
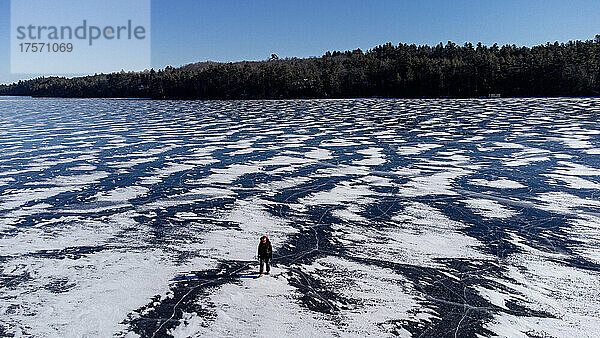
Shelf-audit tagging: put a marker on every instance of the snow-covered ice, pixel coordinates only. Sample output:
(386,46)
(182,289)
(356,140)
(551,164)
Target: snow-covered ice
(423,218)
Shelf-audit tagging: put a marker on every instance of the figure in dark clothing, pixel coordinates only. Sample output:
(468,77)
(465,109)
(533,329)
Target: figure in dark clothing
(265,254)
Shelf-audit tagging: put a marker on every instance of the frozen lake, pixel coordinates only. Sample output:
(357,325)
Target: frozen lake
(387,217)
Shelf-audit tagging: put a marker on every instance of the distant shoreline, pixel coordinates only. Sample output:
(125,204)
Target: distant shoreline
(387,71)
(304,99)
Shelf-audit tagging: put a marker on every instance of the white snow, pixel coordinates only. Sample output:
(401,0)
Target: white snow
(489,208)
(251,221)
(436,184)
(416,149)
(264,307)
(499,183)
(343,193)
(574,182)
(122,194)
(563,202)
(568,293)
(94,225)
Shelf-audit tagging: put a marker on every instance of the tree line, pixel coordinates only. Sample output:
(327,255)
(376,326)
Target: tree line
(394,71)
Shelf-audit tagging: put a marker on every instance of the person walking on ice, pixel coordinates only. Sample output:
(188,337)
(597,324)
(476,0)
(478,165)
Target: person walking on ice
(265,254)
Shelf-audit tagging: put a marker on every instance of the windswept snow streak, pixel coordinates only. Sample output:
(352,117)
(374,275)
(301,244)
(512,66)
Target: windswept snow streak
(388,217)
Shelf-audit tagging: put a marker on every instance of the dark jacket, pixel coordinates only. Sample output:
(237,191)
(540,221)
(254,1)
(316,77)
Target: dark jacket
(265,250)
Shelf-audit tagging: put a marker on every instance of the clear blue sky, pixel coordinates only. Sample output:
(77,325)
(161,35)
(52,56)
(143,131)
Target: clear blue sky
(185,31)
